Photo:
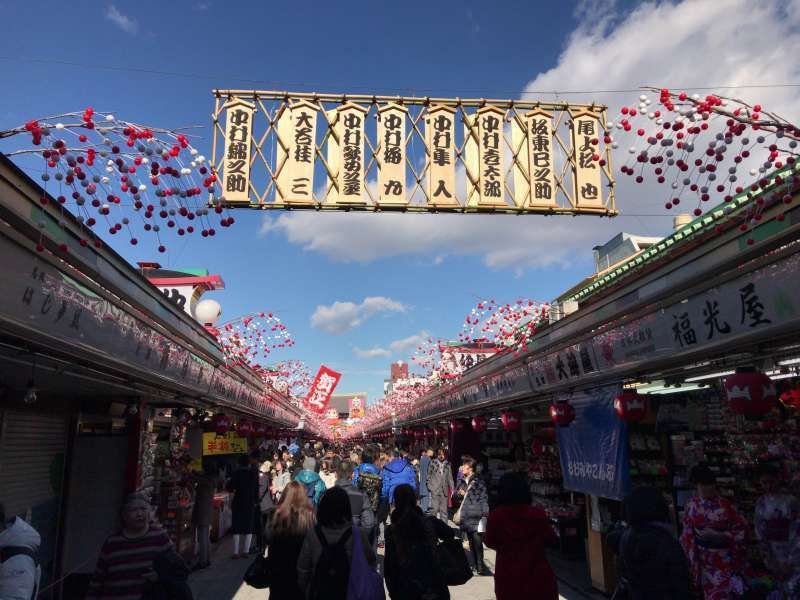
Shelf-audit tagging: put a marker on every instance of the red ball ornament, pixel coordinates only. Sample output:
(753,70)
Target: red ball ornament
(630,406)
(750,392)
(512,420)
(479,423)
(562,413)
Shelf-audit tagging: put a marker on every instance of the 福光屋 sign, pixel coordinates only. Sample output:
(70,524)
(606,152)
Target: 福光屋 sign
(321,390)
(357,152)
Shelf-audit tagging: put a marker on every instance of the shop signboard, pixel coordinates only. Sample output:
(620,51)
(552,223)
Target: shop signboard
(230,443)
(594,447)
(322,389)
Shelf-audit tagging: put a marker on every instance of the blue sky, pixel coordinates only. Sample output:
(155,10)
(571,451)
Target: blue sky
(428,272)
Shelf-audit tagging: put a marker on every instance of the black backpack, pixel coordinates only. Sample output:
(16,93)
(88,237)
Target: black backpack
(371,485)
(333,569)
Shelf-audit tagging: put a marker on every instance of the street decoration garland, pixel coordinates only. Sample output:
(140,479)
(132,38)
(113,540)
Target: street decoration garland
(253,337)
(137,181)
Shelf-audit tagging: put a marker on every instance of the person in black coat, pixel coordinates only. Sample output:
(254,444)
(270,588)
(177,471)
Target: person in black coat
(474,507)
(244,485)
(652,563)
(410,565)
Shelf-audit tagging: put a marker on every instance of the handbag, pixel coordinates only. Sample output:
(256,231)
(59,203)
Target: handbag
(457,515)
(258,573)
(364,583)
(453,562)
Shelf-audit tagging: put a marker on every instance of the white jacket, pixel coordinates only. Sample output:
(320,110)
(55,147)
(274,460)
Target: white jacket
(19,575)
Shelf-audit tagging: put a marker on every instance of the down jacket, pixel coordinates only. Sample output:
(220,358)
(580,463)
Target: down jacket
(397,472)
(475,505)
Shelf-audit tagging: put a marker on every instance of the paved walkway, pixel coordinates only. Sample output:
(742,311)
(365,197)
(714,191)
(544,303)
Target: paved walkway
(223,581)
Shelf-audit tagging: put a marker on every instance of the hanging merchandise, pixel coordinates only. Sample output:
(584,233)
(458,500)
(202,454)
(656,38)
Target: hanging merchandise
(562,413)
(222,424)
(511,420)
(750,392)
(630,406)
(479,423)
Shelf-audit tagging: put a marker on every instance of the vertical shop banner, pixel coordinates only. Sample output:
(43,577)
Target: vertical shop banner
(322,389)
(238,133)
(594,447)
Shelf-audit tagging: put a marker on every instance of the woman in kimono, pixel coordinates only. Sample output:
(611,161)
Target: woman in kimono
(713,539)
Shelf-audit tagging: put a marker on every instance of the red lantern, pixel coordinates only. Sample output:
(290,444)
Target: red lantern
(244,428)
(457,425)
(791,398)
(537,448)
(479,423)
(630,406)
(222,424)
(259,429)
(750,392)
(511,420)
(562,413)
(440,431)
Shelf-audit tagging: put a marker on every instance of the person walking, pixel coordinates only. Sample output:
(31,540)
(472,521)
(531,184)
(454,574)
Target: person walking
(286,529)
(244,485)
(203,512)
(328,471)
(713,539)
(424,493)
(519,533)
(439,481)
(410,565)
(361,509)
(125,566)
(265,502)
(313,483)
(323,568)
(280,479)
(474,507)
(19,562)
(652,562)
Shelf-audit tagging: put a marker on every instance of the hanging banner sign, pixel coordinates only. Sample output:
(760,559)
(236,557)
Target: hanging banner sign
(368,152)
(594,447)
(321,389)
(238,134)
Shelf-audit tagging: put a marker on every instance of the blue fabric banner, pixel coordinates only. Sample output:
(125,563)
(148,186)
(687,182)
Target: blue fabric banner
(594,447)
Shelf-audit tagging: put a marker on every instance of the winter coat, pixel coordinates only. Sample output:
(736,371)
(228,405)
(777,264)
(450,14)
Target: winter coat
(203,511)
(419,573)
(519,534)
(397,472)
(424,465)
(280,481)
(283,552)
(311,551)
(475,505)
(361,509)
(652,561)
(364,468)
(244,485)
(19,575)
(439,479)
(312,478)
(264,498)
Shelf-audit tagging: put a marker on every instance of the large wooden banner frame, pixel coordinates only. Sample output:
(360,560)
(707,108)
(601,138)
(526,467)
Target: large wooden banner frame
(286,150)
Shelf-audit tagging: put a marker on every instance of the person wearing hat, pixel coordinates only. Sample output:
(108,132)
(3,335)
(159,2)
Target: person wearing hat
(125,565)
(309,477)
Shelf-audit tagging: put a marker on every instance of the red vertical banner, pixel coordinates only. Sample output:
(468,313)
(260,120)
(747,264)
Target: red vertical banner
(322,389)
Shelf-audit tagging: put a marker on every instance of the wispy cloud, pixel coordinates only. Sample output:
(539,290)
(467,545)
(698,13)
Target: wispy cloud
(403,346)
(372,353)
(201,6)
(341,317)
(123,21)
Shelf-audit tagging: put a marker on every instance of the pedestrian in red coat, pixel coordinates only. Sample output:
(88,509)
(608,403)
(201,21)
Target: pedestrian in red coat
(519,533)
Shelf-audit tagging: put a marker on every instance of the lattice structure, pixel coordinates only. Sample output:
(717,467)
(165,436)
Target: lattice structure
(341,152)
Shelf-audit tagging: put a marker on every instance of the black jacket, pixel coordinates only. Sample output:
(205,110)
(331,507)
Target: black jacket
(361,509)
(475,504)
(652,562)
(283,552)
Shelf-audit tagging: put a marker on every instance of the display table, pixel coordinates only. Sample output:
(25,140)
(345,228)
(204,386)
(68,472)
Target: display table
(222,515)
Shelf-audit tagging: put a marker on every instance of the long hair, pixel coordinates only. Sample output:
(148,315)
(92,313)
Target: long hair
(294,514)
(408,524)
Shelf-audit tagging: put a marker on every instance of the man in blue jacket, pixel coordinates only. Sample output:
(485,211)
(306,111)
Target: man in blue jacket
(397,471)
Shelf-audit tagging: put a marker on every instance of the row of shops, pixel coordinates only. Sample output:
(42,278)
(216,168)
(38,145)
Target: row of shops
(106,386)
(682,354)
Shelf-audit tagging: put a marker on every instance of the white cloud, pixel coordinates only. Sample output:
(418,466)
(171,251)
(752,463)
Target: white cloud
(372,353)
(694,43)
(340,317)
(409,343)
(124,22)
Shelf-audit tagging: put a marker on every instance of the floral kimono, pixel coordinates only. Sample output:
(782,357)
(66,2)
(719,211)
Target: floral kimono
(715,567)
(777,525)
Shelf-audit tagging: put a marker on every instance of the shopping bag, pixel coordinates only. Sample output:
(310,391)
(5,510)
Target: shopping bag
(365,583)
(258,573)
(453,561)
